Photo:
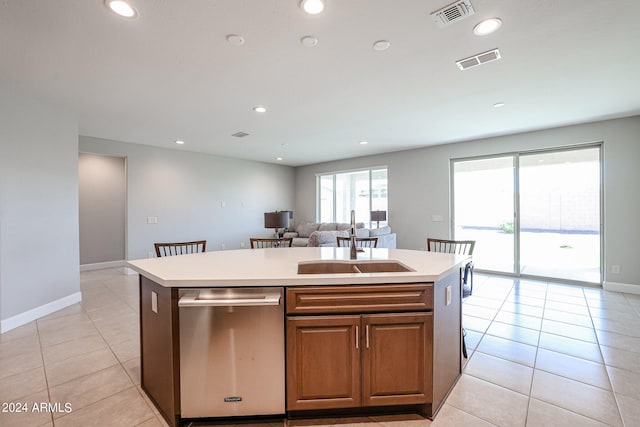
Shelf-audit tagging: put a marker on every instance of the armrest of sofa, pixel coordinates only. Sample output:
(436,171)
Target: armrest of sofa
(387,241)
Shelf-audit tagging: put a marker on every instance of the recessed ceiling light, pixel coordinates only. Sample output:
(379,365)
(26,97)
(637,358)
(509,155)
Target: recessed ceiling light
(179,142)
(364,142)
(121,8)
(309,41)
(381,45)
(235,39)
(279,159)
(260,109)
(498,104)
(312,7)
(487,26)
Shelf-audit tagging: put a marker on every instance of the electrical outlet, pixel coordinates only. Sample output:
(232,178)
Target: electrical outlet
(222,246)
(152,220)
(223,204)
(447,299)
(242,244)
(436,218)
(615,269)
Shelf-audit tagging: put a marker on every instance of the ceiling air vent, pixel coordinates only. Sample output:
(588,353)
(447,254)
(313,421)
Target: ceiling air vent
(453,13)
(240,134)
(479,59)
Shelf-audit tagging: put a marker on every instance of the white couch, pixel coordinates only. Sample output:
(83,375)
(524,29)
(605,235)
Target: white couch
(324,234)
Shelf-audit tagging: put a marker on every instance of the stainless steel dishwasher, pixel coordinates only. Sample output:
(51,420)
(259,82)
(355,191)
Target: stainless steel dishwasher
(231,352)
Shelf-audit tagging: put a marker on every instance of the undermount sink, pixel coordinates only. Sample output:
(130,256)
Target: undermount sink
(339,266)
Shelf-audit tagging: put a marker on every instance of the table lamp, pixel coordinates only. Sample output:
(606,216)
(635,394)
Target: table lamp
(276,220)
(378,216)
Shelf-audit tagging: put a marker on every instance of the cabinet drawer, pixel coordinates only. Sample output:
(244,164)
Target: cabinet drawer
(359,299)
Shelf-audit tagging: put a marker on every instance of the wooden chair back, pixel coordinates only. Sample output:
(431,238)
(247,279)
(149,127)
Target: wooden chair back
(361,242)
(180,248)
(460,247)
(284,242)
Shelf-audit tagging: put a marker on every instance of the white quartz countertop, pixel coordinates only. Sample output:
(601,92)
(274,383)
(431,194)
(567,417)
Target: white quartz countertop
(279,267)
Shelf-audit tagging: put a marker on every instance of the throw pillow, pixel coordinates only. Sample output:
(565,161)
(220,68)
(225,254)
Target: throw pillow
(374,232)
(305,229)
(330,236)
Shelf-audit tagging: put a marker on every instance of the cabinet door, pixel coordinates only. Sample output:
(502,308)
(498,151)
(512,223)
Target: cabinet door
(323,362)
(396,359)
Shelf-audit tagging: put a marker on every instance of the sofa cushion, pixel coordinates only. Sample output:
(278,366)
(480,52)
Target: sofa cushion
(363,232)
(327,226)
(374,232)
(300,242)
(305,229)
(326,238)
(290,234)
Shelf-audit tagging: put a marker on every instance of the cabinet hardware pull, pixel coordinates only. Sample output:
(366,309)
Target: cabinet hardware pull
(357,337)
(366,330)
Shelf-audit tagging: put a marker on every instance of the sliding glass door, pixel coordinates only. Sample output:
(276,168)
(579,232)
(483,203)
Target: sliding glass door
(553,226)
(484,207)
(560,214)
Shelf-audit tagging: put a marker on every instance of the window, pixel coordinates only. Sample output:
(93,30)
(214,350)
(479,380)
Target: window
(340,193)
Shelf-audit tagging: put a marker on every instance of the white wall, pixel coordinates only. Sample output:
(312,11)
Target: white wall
(38,208)
(419,186)
(102,200)
(195,196)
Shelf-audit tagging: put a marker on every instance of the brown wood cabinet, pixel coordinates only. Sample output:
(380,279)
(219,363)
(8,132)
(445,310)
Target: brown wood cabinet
(396,359)
(359,360)
(323,362)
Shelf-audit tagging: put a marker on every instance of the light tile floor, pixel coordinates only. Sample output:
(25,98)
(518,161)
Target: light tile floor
(540,354)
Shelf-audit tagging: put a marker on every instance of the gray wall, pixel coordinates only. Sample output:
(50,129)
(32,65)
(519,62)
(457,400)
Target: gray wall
(195,196)
(38,203)
(419,185)
(102,198)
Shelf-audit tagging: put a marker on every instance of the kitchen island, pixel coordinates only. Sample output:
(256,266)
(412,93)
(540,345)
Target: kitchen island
(378,334)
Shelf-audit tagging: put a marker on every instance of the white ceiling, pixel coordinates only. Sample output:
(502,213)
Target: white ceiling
(171,74)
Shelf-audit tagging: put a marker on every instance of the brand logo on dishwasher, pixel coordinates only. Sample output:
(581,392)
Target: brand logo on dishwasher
(233,399)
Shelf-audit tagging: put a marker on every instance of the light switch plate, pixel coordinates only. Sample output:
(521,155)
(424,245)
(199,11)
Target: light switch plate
(154,302)
(152,220)
(448,295)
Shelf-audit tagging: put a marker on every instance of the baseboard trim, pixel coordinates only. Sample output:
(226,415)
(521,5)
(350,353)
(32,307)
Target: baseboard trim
(621,287)
(38,312)
(101,265)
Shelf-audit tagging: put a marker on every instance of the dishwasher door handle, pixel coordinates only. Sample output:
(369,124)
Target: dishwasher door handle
(255,300)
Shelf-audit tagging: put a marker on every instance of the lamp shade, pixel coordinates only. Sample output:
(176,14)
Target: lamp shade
(276,219)
(378,215)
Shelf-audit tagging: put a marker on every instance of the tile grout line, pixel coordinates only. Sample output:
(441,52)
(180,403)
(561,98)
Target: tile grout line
(535,359)
(476,349)
(44,369)
(604,362)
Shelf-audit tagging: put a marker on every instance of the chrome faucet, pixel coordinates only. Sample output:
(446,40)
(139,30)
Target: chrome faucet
(353,254)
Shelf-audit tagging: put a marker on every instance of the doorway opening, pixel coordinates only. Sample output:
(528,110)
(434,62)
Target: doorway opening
(102,210)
